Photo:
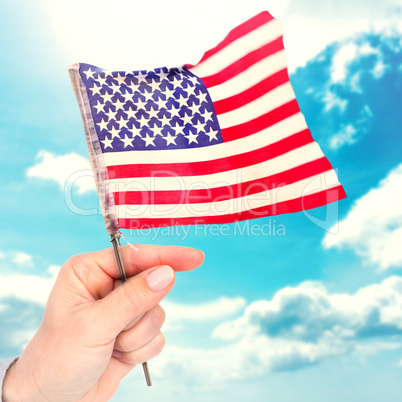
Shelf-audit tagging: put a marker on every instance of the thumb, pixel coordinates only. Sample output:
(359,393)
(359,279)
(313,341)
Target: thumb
(134,297)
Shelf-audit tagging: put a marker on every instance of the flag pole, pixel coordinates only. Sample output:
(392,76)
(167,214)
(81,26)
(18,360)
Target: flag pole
(123,279)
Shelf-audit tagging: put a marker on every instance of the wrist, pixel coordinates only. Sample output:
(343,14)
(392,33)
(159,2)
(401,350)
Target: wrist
(10,390)
(17,386)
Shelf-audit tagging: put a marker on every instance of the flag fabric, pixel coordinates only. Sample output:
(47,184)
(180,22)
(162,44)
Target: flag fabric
(216,142)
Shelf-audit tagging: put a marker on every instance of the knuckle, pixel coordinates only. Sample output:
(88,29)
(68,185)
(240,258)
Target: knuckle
(159,314)
(134,297)
(159,343)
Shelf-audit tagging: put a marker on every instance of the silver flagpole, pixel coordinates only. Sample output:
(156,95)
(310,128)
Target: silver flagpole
(123,279)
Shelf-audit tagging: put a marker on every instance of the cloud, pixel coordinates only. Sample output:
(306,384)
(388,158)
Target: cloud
(299,327)
(311,26)
(71,168)
(350,52)
(346,136)
(215,310)
(28,288)
(373,226)
(21,258)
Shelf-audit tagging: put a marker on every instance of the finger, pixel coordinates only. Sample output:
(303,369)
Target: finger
(133,298)
(143,332)
(179,258)
(146,353)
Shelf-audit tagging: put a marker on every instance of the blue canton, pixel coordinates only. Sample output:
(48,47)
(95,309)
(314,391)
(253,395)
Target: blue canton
(165,108)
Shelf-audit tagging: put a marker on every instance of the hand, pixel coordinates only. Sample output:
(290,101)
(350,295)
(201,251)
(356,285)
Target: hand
(95,329)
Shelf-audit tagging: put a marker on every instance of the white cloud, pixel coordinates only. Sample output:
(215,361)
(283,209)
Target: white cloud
(215,310)
(349,134)
(350,51)
(299,327)
(309,27)
(71,168)
(331,100)
(21,258)
(345,136)
(29,288)
(373,226)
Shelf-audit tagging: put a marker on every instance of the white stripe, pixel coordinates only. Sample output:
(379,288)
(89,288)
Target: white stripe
(250,77)
(258,107)
(301,188)
(239,48)
(291,159)
(270,135)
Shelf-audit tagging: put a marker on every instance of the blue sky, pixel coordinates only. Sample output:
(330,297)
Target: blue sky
(313,303)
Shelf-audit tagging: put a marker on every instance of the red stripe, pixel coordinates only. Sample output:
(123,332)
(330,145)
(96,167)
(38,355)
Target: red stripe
(236,33)
(253,93)
(261,122)
(178,197)
(296,205)
(244,63)
(211,166)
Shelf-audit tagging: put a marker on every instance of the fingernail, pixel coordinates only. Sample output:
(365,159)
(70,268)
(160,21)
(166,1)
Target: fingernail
(160,278)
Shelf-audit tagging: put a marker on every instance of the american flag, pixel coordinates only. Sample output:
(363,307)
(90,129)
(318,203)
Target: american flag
(216,142)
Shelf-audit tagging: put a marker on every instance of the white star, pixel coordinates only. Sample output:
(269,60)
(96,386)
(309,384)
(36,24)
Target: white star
(120,78)
(199,126)
(89,73)
(186,119)
(161,104)
(95,90)
(176,83)
(114,87)
(141,78)
(164,120)
(178,130)
(107,97)
(147,95)
(169,92)
(174,112)
(202,97)
(102,81)
(119,105)
(100,107)
(127,97)
(170,139)
(103,124)
(193,79)
(135,131)
(127,141)
(154,85)
(122,123)
(182,101)
(153,113)
(194,108)
(115,132)
(211,134)
(140,104)
(207,116)
(131,113)
(143,121)
(149,140)
(157,130)
(190,90)
(192,138)
(107,143)
(111,115)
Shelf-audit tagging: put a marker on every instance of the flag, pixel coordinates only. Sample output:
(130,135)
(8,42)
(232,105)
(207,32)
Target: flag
(216,142)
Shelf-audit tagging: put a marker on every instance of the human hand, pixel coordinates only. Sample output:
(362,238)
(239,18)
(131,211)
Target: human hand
(96,329)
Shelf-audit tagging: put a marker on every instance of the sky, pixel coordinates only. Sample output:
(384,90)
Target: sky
(312,299)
